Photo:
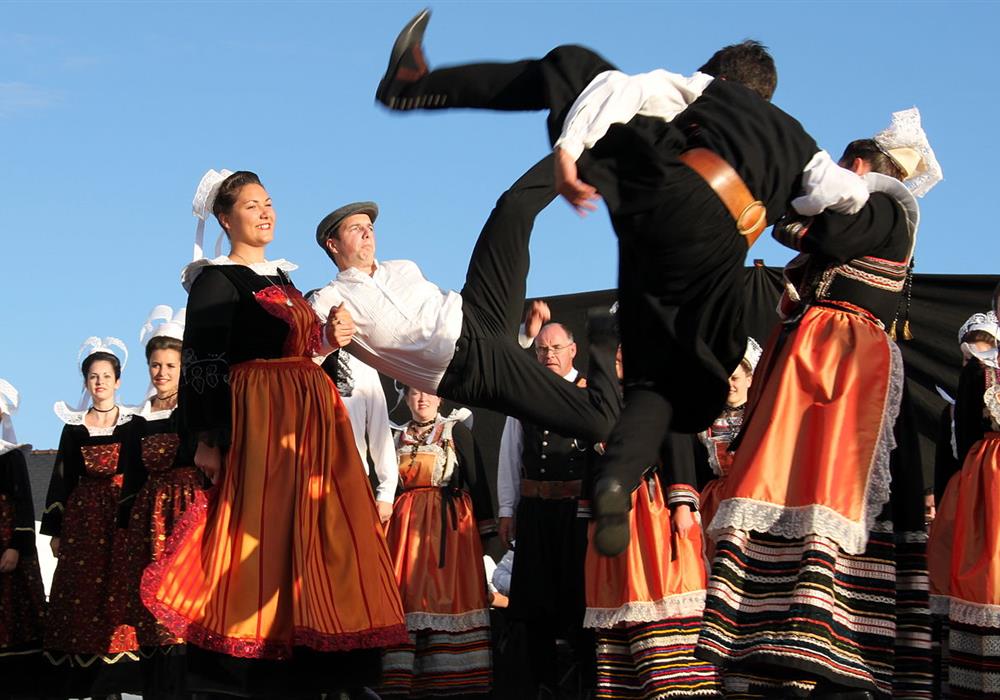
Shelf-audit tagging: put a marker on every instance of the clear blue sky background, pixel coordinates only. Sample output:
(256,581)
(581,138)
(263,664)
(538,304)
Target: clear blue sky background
(110,113)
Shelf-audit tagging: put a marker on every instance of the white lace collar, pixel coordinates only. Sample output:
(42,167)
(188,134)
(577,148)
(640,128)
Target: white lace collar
(458,415)
(267,268)
(70,416)
(147,412)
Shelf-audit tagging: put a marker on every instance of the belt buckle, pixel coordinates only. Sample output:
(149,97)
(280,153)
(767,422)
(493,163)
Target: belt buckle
(745,230)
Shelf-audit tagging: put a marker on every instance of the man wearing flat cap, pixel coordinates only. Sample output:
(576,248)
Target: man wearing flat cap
(462,346)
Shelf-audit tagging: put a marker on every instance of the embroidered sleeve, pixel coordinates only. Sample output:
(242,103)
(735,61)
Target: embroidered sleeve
(680,471)
(24,510)
(204,391)
(470,464)
(65,475)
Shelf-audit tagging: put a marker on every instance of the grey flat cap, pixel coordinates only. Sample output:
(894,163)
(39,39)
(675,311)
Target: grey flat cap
(332,220)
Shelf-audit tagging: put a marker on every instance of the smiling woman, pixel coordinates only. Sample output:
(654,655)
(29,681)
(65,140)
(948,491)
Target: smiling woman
(286,562)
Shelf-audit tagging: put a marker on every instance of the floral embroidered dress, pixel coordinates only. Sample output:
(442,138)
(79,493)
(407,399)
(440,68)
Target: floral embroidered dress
(286,559)
(83,628)
(155,494)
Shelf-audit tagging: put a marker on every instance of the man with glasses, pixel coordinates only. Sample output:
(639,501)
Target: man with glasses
(462,346)
(539,477)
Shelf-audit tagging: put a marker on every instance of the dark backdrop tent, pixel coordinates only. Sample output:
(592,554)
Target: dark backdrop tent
(939,306)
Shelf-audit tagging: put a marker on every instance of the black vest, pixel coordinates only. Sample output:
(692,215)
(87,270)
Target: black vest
(548,456)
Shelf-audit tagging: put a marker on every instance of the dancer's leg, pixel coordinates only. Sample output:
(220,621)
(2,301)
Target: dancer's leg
(498,270)
(552,82)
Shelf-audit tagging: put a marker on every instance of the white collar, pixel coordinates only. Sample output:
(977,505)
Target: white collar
(6,447)
(147,412)
(353,273)
(571,375)
(267,268)
(70,417)
(459,415)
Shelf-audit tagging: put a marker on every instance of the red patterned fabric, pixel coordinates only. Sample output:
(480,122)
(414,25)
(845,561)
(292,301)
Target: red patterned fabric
(22,598)
(82,616)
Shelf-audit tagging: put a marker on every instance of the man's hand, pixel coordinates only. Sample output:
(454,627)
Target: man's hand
(54,546)
(209,460)
(578,193)
(537,315)
(8,560)
(683,519)
(384,511)
(340,327)
(506,531)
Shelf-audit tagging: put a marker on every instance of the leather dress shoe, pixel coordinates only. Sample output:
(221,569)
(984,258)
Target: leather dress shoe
(406,62)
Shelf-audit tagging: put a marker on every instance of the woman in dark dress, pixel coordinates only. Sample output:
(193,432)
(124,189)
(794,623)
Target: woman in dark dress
(22,596)
(84,635)
(155,494)
(280,582)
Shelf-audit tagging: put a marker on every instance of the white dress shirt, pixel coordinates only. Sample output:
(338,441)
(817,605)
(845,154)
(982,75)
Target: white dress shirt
(614,98)
(509,461)
(370,420)
(407,327)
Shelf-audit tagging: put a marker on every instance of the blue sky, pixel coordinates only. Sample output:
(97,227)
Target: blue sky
(110,113)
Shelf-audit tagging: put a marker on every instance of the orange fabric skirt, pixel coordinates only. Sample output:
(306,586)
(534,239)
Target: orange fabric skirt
(660,575)
(449,598)
(963,549)
(288,550)
(814,456)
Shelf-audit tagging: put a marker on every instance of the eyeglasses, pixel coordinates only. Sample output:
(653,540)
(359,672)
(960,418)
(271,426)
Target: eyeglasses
(546,350)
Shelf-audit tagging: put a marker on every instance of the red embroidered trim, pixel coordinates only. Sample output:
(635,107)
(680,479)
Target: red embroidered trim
(192,632)
(274,300)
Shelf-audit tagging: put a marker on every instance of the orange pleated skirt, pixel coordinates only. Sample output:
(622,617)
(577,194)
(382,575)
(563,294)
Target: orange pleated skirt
(814,456)
(288,550)
(963,549)
(660,575)
(451,597)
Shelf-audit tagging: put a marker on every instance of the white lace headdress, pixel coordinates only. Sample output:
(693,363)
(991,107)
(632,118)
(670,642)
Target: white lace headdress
(162,321)
(752,354)
(201,207)
(980,322)
(905,142)
(9,401)
(93,344)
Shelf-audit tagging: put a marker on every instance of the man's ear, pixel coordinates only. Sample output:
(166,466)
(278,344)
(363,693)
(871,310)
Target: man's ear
(331,245)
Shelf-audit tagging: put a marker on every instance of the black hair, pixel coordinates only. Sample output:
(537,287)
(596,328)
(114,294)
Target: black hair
(161,342)
(868,151)
(229,190)
(101,355)
(748,63)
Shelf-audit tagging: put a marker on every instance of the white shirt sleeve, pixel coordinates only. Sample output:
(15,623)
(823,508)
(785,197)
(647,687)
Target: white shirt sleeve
(826,185)
(614,98)
(509,468)
(380,444)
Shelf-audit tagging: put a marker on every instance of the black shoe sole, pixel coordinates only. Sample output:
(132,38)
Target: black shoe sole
(412,33)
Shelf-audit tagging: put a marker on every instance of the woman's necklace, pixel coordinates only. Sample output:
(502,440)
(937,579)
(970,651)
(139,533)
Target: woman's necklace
(103,410)
(288,299)
(419,437)
(166,400)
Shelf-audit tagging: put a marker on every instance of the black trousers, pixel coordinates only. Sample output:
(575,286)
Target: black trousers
(490,368)
(680,280)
